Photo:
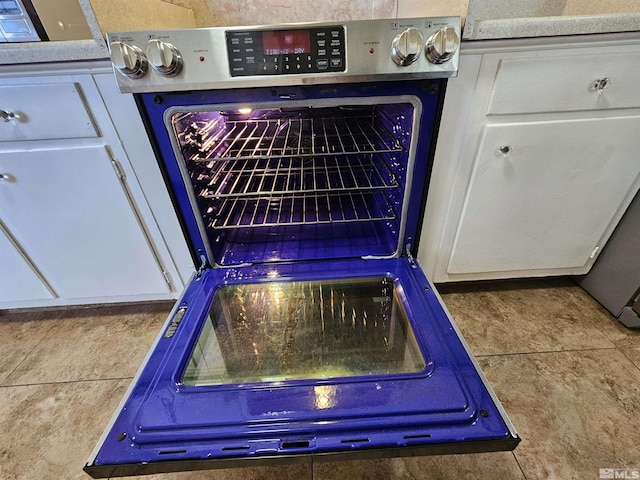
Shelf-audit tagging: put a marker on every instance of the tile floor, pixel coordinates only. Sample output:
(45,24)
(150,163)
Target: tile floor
(566,372)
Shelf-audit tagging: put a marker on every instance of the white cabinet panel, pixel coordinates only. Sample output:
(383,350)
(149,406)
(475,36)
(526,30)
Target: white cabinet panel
(18,281)
(71,214)
(566,83)
(45,112)
(548,203)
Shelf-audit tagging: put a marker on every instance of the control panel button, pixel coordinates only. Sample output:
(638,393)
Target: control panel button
(442,44)
(164,58)
(407,47)
(129,60)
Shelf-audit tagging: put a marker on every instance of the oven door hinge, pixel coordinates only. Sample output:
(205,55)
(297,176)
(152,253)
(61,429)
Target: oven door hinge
(407,250)
(203,266)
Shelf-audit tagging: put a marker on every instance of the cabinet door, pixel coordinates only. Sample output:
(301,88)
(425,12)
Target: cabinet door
(548,202)
(72,215)
(18,280)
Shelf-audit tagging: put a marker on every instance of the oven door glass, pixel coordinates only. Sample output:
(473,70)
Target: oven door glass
(273,362)
(282,331)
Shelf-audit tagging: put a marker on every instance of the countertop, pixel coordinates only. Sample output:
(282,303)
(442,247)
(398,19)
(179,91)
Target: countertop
(498,19)
(483,20)
(72,50)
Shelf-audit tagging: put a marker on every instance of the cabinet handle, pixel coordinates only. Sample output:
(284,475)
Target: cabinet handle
(6,116)
(4,176)
(602,84)
(505,149)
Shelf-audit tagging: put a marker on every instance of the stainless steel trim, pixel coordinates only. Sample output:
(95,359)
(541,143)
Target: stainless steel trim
(479,371)
(368,56)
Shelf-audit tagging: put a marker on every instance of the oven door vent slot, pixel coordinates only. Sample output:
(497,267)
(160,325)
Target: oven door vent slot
(295,444)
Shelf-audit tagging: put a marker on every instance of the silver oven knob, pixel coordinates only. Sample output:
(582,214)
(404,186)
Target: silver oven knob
(442,44)
(129,60)
(407,47)
(164,58)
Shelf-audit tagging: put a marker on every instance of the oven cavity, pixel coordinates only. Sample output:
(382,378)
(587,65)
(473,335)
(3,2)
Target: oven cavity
(301,183)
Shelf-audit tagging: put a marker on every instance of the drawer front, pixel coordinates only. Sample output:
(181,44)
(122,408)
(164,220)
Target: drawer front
(566,83)
(44,112)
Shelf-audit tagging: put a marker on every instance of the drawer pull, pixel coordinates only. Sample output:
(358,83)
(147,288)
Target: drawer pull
(6,116)
(602,84)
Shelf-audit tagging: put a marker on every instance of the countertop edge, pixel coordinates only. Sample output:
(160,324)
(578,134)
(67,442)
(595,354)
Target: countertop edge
(490,29)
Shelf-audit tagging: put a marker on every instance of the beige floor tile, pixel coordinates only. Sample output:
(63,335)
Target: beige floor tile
(576,412)
(620,335)
(632,354)
(48,431)
(480,466)
(523,316)
(17,339)
(90,344)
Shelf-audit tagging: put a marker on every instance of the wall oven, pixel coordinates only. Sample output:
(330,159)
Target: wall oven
(298,159)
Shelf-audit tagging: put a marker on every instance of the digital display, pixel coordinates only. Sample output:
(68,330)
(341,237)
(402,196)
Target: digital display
(286,42)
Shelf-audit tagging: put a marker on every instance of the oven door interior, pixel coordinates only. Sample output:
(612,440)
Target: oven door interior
(279,362)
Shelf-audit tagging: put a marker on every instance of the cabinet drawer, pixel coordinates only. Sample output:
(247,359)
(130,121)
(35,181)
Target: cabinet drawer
(44,112)
(566,83)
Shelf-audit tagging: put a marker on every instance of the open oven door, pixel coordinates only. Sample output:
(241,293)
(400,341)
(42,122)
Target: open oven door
(272,363)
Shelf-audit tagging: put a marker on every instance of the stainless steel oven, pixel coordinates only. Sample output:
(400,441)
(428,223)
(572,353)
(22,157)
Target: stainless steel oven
(298,159)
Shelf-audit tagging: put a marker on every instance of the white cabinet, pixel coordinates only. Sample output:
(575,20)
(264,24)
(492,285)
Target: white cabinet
(19,279)
(535,168)
(76,226)
(70,213)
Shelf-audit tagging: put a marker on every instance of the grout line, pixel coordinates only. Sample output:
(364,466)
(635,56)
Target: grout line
(545,352)
(519,466)
(65,382)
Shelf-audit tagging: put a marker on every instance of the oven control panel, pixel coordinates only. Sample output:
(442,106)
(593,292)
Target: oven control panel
(286,52)
(284,55)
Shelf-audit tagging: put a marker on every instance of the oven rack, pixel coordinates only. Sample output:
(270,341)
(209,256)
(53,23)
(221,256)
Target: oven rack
(301,209)
(298,175)
(291,137)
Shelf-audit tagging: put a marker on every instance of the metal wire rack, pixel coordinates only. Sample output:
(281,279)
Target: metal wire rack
(292,137)
(294,175)
(289,170)
(302,209)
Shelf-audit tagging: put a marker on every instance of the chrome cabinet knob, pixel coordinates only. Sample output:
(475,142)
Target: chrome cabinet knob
(407,47)
(442,44)
(602,84)
(129,60)
(6,116)
(164,58)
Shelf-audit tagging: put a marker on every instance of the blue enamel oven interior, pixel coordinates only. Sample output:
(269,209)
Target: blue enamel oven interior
(319,173)
(440,406)
(297,394)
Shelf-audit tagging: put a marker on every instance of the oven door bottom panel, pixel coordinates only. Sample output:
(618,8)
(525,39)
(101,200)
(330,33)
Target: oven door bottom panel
(276,363)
